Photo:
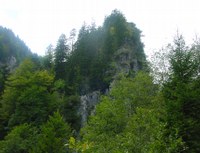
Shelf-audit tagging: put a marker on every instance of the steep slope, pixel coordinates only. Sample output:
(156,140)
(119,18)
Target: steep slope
(12,48)
(12,52)
(101,55)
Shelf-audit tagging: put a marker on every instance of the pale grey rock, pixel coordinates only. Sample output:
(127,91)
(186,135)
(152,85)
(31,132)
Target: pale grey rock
(126,61)
(87,105)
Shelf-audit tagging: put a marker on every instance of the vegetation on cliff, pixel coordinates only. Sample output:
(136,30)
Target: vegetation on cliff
(144,107)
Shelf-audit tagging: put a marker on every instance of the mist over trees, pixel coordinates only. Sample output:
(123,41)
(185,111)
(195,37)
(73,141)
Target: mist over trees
(145,106)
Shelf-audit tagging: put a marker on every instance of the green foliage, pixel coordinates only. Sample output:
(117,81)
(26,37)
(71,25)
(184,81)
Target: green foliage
(28,97)
(10,45)
(20,139)
(59,86)
(4,72)
(61,55)
(77,146)
(159,65)
(145,133)
(182,92)
(12,52)
(69,110)
(82,58)
(48,62)
(54,136)
(139,114)
(130,119)
(90,63)
(115,26)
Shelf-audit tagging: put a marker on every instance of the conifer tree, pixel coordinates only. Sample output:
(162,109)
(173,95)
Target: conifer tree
(54,135)
(182,94)
(61,57)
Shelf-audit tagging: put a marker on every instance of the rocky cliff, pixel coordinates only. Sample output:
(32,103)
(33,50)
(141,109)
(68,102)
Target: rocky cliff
(87,105)
(125,61)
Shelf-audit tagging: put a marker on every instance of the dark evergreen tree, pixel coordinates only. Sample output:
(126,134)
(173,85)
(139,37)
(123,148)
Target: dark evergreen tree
(12,52)
(4,72)
(182,95)
(54,136)
(72,39)
(20,140)
(28,96)
(115,26)
(48,61)
(61,57)
(90,66)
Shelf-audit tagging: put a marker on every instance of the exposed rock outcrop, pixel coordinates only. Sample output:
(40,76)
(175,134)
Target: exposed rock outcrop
(125,61)
(10,63)
(87,105)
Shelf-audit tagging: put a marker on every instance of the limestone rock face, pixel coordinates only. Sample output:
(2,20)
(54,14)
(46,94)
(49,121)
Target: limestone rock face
(87,105)
(126,61)
(10,63)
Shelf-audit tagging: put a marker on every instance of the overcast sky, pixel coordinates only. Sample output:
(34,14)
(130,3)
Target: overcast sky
(41,22)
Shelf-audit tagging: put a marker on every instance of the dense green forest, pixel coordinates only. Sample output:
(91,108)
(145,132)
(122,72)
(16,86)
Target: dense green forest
(143,106)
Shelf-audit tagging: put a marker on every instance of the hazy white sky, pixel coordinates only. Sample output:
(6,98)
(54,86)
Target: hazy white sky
(41,22)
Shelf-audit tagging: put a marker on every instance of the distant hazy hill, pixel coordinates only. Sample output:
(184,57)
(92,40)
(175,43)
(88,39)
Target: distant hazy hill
(12,49)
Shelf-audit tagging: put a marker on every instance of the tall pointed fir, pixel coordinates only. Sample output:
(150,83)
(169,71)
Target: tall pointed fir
(48,60)
(61,55)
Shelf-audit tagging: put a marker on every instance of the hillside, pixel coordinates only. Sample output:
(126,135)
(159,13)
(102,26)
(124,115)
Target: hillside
(98,93)
(12,52)
(12,48)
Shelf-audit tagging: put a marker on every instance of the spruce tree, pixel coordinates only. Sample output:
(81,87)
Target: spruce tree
(61,55)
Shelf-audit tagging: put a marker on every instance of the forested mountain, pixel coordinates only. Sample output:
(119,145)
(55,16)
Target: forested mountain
(99,94)
(93,62)
(12,47)
(12,52)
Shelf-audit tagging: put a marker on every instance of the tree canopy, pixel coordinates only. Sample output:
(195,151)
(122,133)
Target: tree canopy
(141,107)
